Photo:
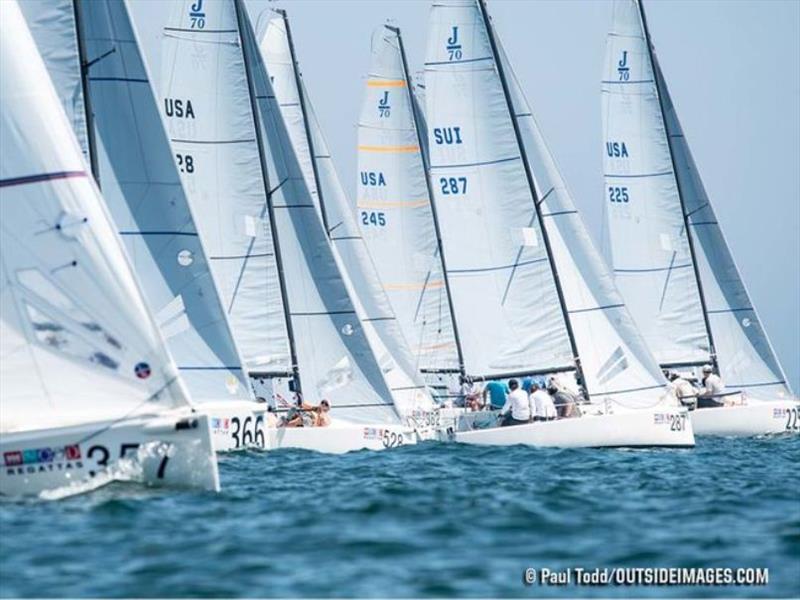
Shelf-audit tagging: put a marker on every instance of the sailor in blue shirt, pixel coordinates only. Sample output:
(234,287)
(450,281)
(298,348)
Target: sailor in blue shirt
(496,391)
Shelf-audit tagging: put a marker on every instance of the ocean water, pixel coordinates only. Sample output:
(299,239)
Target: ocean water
(430,520)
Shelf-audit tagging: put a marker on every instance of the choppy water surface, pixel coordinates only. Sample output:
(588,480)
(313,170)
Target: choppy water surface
(431,520)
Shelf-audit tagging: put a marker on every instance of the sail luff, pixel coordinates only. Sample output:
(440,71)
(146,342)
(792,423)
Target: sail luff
(692,252)
(243,23)
(429,187)
(304,111)
(87,101)
(531,185)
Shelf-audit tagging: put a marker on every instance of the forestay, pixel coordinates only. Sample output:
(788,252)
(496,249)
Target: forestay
(650,252)
(206,105)
(615,360)
(394,209)
(744,355)
(142,188)
(506,304)
(76,339)
(356,265)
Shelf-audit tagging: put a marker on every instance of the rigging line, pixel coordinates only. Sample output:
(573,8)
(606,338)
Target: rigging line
(277,187)
(422,294)
(516,262)
(244,263)
(99,58)
(150,398)
(666,280)
(544,197)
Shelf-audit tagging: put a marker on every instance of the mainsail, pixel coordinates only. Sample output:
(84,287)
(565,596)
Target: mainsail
(141,185)
(77,342)
(515,180)
(394,208)
(314,157)
(332,358)
(641,122)
(502,281)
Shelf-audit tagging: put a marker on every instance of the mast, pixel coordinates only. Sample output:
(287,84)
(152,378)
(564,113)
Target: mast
(536,202)
(303,110)
(242,23)
(686,224)
(87,103)
(439,246)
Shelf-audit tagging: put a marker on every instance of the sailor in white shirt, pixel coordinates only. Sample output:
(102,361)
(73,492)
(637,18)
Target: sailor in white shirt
(713,388)
(544,409)
(519,404)
(684,391)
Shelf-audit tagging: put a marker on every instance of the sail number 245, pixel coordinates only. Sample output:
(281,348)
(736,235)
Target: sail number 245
(378,219)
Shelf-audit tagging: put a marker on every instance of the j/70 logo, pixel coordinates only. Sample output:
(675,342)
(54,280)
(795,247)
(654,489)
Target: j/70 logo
(453,45)
(383,105)
(622,67)
(197,18)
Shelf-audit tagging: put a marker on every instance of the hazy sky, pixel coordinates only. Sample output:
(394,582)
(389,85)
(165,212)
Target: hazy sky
(733,68)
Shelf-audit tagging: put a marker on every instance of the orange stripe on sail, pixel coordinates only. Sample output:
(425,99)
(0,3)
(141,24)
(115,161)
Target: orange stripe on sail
(386,83)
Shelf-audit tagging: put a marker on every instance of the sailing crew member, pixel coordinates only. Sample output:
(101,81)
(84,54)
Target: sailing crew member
(713,389)
(517,408)
(684,391)
(308,415)
(494,394)
(544,409)
(564,401)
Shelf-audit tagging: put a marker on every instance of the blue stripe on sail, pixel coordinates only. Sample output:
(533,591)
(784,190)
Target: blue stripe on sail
(294,206)
(585,310)
(243,141)
(703,223)
(241,256)
(656,270)
(751,385)
(640,389)
(191,233)
(126,79)
(456,62)
(323,313)
(622,176)
(560,212)
(628,82)
(477,164)
(40,177)
(210,368)
(502,268)
(728,310)
(181,29)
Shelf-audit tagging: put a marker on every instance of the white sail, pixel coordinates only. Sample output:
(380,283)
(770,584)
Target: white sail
(77,342)
(206,105)
(143,190)
(650,252)
(334,360)
(394,211)
(615,361)
(52,24)
(506,303)
(372,304)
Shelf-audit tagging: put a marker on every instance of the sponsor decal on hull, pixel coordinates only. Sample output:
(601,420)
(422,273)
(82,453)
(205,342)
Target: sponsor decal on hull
(42,460)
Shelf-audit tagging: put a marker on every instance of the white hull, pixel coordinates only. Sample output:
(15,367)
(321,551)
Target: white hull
(235,424)
(741,420)
(173,449)
(665,427)
(339,438)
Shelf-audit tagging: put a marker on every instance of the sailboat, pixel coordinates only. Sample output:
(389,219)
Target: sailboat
(88,390)
(356,265)
(394,211)
(93,53)
(289,306)
(670,258)
(530,294)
